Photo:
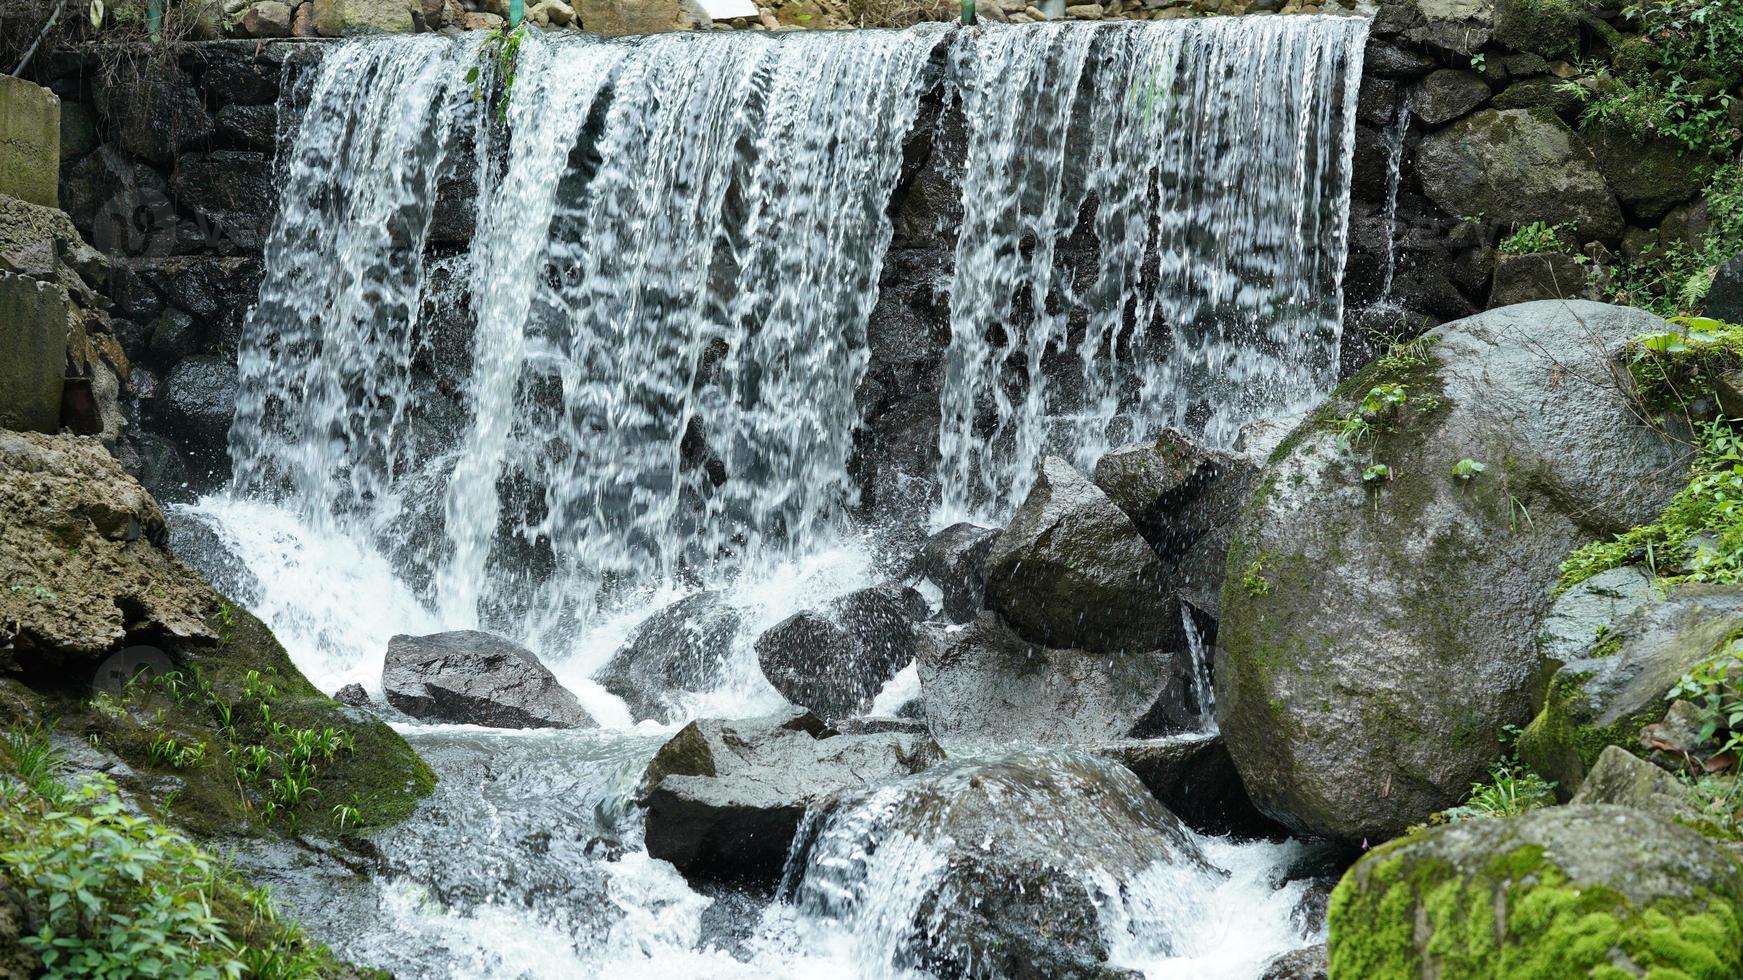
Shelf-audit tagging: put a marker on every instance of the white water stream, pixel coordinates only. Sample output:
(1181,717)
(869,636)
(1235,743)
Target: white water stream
(678,243)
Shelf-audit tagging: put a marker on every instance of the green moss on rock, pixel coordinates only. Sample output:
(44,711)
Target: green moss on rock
(1565,739)
(1584,891)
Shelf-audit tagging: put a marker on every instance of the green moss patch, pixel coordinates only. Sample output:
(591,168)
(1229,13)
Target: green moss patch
(1518,916)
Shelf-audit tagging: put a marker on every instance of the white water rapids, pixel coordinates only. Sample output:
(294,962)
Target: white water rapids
(678,245)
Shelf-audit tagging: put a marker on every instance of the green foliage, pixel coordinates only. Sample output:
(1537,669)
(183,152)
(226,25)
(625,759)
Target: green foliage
(1698,538)
(1538,236)
(1715,687)
(36,761)
(167,751)
(1677,78)
(1253,581)
(1674,277)
(123,896)
(1466,470)
(1375,474)
(1719,799)
(500,51)
(1511,789)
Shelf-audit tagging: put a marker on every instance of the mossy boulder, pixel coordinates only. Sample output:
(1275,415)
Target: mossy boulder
(1377,635)
(1570,891)
(1624,779)
(1616,685)
(1516,166)
(1550,28)
(104,629)
(1649,176)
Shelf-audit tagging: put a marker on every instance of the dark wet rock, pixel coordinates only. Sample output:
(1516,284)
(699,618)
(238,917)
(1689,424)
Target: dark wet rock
(1448,94)
(1184,499)
(984,684)
(1071,570)
(474,678)
(954,559)
(248,127)
(157,117)
(1308,963)
(1542,275)
(1193,776)
(122,206)
(353,695)
(683,647)
(200,547)
(1385,634)
(725,798)
(1384,60)
(197,405)
(1469,896)
(833,660)
(232,191)
(1517,166)
(1616,683)
(1459,26)
(1725,298)
(1039,853)
(1547,92)
(1649,176)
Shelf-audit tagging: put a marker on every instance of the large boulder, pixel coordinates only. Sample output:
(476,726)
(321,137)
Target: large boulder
(1540,275)
(1071,570)
(683,647)
(1650,176)
(1027,866)
(1448,94)
(1616,683)
(983,684)
(616,18)
(1567,891)
(472,678)
(725,798)
(954,559)
(833,660)
(1184,499)
(92,603)
(1517,166)
(1459,26)
(345,18)
(1376,635)
(1624,779)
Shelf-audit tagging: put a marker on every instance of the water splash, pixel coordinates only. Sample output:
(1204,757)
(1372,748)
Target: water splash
(1216,157)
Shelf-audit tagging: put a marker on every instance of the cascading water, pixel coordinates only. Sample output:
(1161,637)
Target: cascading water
(1216,155)
(1394,136)
(640,374)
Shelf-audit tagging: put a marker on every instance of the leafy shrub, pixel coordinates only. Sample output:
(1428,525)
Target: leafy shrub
(1538,236)
(1676,79)
(1673,278)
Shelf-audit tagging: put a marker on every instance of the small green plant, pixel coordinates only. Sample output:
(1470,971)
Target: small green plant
(226,621)
(1517,516)
(345,815)
(1538,236)
(38,592)
(1466,470)
(1479,62)
(1353,433)
(36,760)
(1407,355)
(1511,789)
(1382,400)
(167,751)
(1376,474)
(1715,687)
(501,51)
(1253,580)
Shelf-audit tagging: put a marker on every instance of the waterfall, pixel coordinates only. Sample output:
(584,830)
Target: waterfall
(1394,136)
(677,246)
(1215,155)
(1203,692)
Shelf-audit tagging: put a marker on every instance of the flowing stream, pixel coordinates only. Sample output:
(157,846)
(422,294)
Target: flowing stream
(638,376)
